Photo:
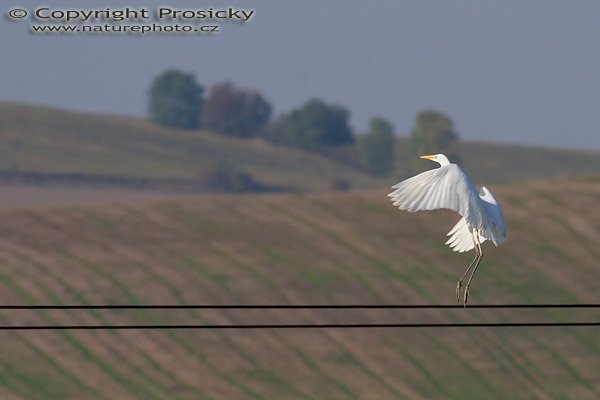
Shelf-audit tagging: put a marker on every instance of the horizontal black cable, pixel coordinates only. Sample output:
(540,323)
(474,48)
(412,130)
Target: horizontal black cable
(301,326)
(284,306)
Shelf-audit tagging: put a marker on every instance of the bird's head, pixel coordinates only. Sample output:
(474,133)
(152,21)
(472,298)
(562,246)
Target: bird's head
(438,158)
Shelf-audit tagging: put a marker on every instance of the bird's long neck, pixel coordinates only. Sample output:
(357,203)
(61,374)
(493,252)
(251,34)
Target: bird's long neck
(443,160)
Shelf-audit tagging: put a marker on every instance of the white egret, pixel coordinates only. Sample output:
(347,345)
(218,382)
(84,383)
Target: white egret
(448,187)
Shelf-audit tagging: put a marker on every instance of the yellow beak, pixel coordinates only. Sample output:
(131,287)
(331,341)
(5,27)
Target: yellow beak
(427,157)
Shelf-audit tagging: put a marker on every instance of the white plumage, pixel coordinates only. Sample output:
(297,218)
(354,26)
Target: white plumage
(448,187)
(460,237)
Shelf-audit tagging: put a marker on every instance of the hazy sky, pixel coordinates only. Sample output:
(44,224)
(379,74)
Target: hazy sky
(505,71)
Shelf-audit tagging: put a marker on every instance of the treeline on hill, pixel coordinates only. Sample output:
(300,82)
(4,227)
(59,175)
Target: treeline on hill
(177,100)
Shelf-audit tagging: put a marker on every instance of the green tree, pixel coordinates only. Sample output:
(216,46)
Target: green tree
(316,126)
(175,100)
(433,133)
(376,150)
(235,112)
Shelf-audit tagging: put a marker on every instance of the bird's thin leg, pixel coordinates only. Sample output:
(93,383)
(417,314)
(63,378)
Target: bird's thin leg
(460,281)
(479,258)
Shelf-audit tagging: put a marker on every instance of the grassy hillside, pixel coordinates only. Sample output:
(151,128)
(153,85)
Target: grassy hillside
(58,141)
(52,140)
(494,163)
(506,163)
(307,248)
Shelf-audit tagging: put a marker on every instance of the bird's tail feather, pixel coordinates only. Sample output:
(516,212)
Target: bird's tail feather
(460,237)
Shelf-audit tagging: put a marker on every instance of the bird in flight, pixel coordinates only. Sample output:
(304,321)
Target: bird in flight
(449,187)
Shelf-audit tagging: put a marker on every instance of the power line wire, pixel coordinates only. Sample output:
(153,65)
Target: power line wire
(304,326)
(299,307)
(284,306)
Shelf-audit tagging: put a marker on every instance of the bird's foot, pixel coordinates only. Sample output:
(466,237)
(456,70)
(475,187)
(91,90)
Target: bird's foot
(458,291)
(465,296)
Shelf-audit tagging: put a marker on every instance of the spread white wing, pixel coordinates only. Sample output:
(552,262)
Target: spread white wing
(444,187)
